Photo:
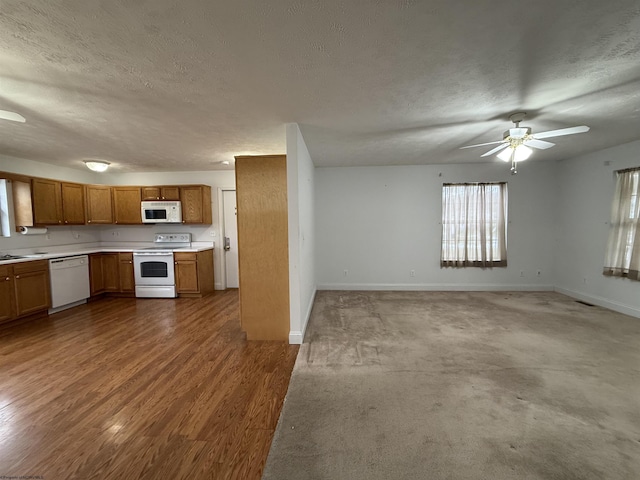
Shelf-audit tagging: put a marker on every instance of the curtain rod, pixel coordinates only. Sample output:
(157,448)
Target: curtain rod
(625,170)
(475,183)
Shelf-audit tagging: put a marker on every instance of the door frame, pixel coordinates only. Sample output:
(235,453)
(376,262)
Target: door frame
(222,257)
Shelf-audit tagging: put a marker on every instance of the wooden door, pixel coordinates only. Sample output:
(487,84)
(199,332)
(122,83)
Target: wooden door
(31,285)
(96,274)
(111,274)
(127,281)
(263,252)
(170,193)
(7,308)
(99,204)
(186,271)
(73,204)
(191,198)
(47,201)
(126,205)
(150,193)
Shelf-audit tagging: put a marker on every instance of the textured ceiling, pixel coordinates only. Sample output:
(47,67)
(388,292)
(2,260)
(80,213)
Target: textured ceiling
(181,85)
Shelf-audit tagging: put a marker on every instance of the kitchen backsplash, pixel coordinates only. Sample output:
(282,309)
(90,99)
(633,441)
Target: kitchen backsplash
(55,236)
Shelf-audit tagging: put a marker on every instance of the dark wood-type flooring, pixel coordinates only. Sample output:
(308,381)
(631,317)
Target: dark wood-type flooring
(148,388)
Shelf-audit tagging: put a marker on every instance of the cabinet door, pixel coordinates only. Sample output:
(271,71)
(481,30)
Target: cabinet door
(110,264)
(7,311)
(196,204)
(127,282)
(73,204)
(31,285)
(150,193)
(170,193)
(99,205)
(126,205)
(47,202)
(186,271)
(96,274)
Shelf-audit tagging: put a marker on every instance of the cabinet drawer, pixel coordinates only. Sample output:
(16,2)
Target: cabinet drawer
(126,256)
(182,256)
(27,267)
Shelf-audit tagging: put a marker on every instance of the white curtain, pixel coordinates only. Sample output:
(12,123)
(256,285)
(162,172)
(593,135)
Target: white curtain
(622,257)
(474,225)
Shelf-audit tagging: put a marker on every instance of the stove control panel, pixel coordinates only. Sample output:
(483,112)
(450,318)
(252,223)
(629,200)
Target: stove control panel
(172,238)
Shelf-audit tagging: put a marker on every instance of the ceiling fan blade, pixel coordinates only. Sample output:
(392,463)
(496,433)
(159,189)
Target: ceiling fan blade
(497,149)
(482,144)
(13,116)
(562,131)
(541,144)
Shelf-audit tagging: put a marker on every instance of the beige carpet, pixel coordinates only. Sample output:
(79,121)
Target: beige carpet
(460,385)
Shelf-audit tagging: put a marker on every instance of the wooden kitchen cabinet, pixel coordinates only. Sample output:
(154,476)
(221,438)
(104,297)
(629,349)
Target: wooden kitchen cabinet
(196,204)
(99,204)
(194,272)
(47,201)
(7,307)
(111,272)
(126,205)
(24,289)
(96,274)
(127,281)
(56,203)
(73,205)
(168,193)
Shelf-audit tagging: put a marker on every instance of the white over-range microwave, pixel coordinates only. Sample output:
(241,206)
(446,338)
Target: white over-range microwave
(161,212)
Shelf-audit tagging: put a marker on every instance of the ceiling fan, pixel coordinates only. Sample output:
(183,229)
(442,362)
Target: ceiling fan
(517,142)
(13,116)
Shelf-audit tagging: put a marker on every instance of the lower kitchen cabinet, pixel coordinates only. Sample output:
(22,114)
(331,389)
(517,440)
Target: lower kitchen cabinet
(24,289)
(194,272)
(127,282)
(111,273)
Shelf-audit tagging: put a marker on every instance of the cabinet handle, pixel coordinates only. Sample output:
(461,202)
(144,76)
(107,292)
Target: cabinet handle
(175,263)
(88,221)
(7,279)
(163,198)
(130,261)
(66,221)
(17,276)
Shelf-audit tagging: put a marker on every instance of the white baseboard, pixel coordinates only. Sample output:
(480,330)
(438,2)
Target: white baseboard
(439,287)
(296,337)
(601,302)
(218,286)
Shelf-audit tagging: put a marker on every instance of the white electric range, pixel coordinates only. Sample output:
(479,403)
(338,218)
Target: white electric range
(153,266)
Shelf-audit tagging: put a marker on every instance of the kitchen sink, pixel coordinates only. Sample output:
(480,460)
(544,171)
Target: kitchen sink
(11,257)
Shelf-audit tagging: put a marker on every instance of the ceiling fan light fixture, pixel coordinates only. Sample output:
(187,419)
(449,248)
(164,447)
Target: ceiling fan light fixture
(520,153)
(97,165)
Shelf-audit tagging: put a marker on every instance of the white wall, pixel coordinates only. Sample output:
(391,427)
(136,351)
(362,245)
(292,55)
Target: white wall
(300,197)
(584,209)
(379,223)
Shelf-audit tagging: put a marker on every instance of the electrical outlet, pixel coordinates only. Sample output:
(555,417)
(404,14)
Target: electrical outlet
(412,273)
(346,272)
(522,273)
(538,273)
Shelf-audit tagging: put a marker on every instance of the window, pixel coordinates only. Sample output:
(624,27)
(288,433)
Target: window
(622,257)
(474,225)
(5,227)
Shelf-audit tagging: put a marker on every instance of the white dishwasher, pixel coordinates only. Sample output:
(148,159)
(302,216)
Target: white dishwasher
(69,282)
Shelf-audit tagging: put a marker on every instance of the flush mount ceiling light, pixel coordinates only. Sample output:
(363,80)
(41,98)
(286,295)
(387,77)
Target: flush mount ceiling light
(97,165)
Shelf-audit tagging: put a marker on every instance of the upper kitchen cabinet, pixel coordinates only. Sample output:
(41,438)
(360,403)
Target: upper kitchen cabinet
(73,209)
(126,205)
(47,201)
(161,193)
(196,204)
(56,203)
(99,204)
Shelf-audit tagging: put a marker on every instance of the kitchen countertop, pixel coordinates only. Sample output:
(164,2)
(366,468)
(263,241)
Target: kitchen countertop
(61,251)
